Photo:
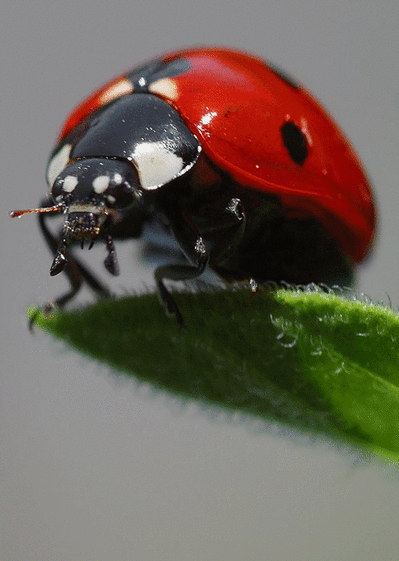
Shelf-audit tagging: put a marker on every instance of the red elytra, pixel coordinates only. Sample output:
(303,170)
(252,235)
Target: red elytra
(236,105)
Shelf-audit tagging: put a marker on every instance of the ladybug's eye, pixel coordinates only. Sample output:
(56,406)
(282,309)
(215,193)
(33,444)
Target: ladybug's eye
(119,193)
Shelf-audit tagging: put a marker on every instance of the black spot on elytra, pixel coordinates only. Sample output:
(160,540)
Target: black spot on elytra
(295,142)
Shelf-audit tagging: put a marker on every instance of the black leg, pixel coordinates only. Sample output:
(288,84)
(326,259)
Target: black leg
(229,229)
(193,245)
(74,270)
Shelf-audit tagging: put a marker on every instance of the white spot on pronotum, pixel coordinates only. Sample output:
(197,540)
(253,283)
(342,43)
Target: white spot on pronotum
(111,199)
(57,163)
(156,164)
(100,184)
(165,88)
(70,183)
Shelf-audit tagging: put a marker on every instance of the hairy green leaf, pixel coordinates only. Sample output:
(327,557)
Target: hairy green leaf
(307,359)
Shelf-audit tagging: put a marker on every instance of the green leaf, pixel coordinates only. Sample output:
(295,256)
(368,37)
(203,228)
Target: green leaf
(305,359)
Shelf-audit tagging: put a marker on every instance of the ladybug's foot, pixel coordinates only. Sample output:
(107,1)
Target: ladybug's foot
(46,310)
(49,307)
(170,305)
(178,272)
(253,285)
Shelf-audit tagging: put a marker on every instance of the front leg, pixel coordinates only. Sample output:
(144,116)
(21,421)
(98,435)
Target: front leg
(75,271)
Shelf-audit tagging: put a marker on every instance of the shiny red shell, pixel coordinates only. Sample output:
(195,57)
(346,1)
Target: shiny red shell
(236,105)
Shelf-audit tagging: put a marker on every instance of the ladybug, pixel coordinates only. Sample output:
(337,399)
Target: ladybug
(227,154)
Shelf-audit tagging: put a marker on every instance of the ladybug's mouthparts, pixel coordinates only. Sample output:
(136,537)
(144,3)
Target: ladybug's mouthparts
(84,226)
(83,222)
(77,226)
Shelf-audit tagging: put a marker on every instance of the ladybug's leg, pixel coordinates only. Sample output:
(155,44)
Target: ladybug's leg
(75,270)
(230,228)
(228,235)
(190,240)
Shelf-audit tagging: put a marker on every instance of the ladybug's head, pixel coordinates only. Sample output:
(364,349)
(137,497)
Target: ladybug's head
(90,192)
(133,145)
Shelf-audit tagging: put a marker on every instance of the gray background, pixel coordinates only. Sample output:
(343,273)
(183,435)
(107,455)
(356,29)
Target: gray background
(98,468)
